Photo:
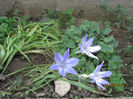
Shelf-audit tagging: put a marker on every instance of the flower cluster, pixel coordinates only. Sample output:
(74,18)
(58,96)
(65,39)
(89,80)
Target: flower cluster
(65,65)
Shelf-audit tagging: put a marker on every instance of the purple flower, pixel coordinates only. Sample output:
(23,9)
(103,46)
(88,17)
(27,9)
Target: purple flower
(64,64)
(86,47)
(97,76)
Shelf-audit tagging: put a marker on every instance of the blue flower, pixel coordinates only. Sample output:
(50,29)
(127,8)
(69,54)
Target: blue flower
(86,47)
(97,76)
(64,64)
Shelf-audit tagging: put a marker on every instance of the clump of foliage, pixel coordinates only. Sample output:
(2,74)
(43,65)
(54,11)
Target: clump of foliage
(123,20)
(17,35)
(72,37)
(65,17)
(120,15)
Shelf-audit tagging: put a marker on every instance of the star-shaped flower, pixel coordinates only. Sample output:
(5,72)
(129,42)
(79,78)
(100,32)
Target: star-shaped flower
(64,64)
(86,47)
(97,76)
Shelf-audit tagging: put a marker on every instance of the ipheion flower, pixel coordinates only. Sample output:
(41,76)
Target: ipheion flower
(86,47)
(97,76)
(64,64)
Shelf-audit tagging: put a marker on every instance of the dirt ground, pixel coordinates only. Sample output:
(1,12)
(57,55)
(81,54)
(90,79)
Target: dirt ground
(125,40)
(19,62)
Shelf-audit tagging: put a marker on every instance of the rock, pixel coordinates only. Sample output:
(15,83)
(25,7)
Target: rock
(44,19)
(62,87)
(71,96)
(41,94)
(131,89)
(29,83)
(2,77)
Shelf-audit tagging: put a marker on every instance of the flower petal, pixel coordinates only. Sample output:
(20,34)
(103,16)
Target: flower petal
(84,39)
(100,86)
(72,62)
(104,74)
(81,48)
(98,68)
(71,70)
(62,72)
(58,58)
(89,42)
(91,76)
(102,81)
(91,55)
(92,80)
(66,55)
(94,49)
(54,67)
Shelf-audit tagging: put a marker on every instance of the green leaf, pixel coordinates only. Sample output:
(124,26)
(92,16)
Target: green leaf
(91,67)
(95,26)
(65,38)
(2,53)
(75,30)
(71,44)
(15,12)
(106,31)
(82,61)
(115,44)
(76,38)
(27,92)
(115,61)
(106,48)
(108,39)
(32,31)
(73,52)
(1,67)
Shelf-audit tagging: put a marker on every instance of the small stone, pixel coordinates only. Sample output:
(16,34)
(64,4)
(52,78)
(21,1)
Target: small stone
(71,96)
(41,94)
(2,77)
(44,19)
(93,96)
(62,87)
(29,83)
(131,89)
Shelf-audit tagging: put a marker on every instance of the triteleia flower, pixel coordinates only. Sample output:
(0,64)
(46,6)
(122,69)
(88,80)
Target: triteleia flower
(97,76)
(86,47)
(64,64)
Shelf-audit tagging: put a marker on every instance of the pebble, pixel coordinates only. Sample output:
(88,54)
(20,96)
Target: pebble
(2,77)
(41,94)
(62,87)
(71,96)
(44,19)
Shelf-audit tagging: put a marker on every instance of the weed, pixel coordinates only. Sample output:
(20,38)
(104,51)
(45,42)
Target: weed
(120,15)
(123,20)
(65,17)
(52,13)
(26,38)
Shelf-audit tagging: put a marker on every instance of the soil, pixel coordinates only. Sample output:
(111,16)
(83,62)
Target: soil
(20,62)
(125,40)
